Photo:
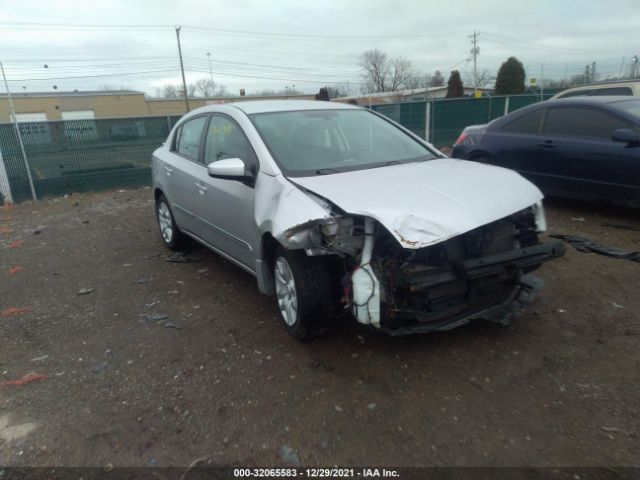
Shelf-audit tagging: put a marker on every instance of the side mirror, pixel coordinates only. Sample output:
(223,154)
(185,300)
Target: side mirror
(231,168)
(626,135)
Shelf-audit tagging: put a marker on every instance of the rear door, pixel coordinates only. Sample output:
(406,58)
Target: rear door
(182,169)
(586,163)
(510,143)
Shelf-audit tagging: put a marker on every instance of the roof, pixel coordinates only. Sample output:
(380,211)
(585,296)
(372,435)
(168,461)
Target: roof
(244,98)
(268,106)
(85,93)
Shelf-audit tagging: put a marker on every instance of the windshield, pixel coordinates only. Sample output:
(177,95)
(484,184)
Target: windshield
(319,142)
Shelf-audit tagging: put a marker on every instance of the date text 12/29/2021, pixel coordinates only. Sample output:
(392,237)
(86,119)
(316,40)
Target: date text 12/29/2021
(315,473)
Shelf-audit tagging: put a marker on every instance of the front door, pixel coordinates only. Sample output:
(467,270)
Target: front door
(578,141)
(226,208)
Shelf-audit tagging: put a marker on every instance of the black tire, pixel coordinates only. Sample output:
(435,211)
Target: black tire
(312,281)
(177,240)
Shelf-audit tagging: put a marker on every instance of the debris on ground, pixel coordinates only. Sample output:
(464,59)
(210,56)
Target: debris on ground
(28,378)
(182,257)
(16,244)
(161,319)
(156,317)
(37,232)
(288,455)
(40,359)
(85,291)
(5,230)
(621,226)
(577,219)
(617,305)
(583,244)
(14,311)
(15,269)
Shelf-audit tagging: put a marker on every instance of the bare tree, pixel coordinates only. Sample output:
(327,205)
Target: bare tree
(110,87)
(191,90)
(437,79)
(286,91)
(167,90)
(400,72)
(376,70)
(418,80)
(485,77)
(340,90)
(206,87)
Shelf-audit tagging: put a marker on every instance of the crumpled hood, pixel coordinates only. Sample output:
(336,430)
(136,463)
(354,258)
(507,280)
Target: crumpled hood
(424,203)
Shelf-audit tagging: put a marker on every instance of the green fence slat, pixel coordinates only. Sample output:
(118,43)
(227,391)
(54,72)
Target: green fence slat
(82,155)
(449,116)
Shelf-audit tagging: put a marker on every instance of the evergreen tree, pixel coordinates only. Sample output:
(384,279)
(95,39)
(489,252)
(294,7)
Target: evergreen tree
(323,94)
(510,78)
(454,86)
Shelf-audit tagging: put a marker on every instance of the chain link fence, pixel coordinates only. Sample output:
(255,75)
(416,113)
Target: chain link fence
(79,155)
(441,120)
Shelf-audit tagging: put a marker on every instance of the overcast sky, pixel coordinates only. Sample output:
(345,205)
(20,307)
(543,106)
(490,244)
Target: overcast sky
(277,43)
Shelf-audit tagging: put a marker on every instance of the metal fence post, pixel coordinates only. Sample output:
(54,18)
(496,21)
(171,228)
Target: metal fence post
(12,111)
(506,105)
(5,186)
(427,122)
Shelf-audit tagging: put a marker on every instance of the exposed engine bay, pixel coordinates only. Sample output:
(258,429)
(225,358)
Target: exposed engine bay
(483,273)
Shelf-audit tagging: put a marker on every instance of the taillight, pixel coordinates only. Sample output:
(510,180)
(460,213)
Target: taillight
(463,136)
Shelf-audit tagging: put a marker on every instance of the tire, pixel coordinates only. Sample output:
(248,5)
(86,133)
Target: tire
(303,293)
(171,235)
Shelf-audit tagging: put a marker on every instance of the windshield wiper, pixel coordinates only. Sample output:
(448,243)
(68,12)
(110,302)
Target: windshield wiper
(326,171)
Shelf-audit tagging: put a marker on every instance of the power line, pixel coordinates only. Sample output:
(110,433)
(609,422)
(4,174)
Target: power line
(199,29)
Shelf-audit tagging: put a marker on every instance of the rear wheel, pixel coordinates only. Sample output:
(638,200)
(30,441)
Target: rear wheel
(171,235)
(303,291)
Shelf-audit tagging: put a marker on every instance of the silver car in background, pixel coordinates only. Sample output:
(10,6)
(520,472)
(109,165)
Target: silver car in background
(335,208)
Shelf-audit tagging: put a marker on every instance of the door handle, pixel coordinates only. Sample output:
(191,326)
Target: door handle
(547,144)
(169,170)
(201,188)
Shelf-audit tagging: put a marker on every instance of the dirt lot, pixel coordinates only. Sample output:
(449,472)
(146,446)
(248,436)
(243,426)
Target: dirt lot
(561,386)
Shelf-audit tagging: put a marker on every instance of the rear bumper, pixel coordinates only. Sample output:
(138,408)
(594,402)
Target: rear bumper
(493,288)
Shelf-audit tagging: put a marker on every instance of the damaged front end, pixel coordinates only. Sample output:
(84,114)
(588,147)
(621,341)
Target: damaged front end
(401,288)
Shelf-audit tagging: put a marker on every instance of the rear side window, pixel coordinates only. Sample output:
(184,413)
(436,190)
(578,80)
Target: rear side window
(189,135)
(612,91)
(581,122)
(527,123)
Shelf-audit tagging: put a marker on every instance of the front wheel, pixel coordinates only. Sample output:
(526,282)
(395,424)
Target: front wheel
(303,290)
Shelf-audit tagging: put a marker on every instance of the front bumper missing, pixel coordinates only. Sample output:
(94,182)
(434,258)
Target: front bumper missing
(514,263)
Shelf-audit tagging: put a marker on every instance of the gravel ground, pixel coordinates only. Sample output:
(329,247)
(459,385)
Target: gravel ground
(220,379)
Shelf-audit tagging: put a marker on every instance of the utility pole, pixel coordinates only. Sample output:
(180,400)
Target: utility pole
(184,82)
(564,83)
(14,118)
(593,72)
(475,51)
(541,81)
(210,69)
(634,66)
(586,75)
(621,72)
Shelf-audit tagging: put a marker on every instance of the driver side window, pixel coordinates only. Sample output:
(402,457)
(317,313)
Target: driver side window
(225,139)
